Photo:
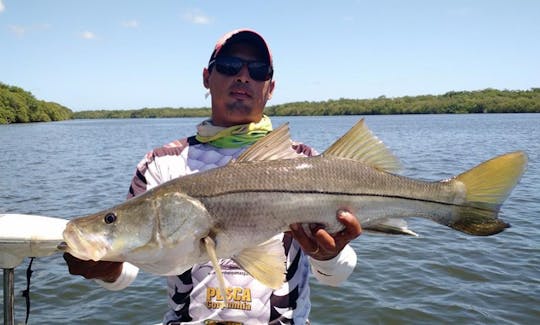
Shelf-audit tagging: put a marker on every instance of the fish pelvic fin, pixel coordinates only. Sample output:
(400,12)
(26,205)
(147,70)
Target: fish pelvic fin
(360,144)
(486,187)
(264,262)
(210,246)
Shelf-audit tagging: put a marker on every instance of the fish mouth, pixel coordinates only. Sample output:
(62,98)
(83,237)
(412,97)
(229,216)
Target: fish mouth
(84,246)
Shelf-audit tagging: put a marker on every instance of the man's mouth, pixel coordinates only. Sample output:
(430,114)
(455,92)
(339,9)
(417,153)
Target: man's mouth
(240,93)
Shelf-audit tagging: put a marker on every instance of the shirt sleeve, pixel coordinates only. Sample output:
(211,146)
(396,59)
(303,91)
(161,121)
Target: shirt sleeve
(128,275)
(336,270)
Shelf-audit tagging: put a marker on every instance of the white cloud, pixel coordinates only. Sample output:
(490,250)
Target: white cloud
(197,17)
(19,31)
(130,23)
(2,7)
(88,35)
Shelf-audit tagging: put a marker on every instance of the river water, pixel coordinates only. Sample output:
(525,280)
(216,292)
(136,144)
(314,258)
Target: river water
(71,168)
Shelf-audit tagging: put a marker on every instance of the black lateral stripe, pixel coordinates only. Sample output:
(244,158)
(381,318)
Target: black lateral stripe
(331,193)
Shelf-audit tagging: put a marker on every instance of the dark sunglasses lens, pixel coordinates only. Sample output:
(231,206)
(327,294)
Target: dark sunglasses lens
(259,71)
(228,66)
(231,66)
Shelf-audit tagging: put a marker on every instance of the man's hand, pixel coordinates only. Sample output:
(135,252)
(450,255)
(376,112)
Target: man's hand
(101,270)
(321,245)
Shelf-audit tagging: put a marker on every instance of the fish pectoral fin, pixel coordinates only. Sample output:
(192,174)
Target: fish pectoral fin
(264,262)
(361,145)
(210,246)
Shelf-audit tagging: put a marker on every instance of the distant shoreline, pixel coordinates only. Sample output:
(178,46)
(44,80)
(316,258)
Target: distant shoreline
(460,102)
(20,106)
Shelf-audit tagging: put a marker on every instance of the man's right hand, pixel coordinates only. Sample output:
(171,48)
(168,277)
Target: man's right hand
(101,270)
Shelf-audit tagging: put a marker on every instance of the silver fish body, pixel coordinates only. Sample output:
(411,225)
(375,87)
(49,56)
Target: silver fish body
(264,198)
(240,206)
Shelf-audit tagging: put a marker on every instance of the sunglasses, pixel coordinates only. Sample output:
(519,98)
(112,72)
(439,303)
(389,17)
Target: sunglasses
(231,66)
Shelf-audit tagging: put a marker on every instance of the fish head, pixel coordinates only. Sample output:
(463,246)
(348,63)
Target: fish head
(109,234)
(143,230)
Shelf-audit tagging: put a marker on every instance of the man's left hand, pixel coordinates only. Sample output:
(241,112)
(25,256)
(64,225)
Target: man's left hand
(321,245)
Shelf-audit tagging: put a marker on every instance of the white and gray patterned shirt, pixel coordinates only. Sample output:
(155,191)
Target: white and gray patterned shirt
(194,295)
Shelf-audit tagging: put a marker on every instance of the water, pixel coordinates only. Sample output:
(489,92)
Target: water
(72,168)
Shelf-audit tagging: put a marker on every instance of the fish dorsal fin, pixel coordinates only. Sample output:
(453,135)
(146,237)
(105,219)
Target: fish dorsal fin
(276,145)
(264,262)
(362,145)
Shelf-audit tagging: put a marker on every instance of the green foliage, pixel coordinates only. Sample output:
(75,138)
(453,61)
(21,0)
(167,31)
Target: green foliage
(143,113)
(20,106)
(453,102)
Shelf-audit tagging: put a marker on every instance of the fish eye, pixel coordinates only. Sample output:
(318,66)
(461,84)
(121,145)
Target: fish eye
(110,218)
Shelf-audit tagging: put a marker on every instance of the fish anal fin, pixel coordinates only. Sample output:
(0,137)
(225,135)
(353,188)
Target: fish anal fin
(264,262)
(392,226)
(360,144)
(276,145)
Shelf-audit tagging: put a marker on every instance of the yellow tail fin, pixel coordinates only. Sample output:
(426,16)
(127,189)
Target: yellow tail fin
(487,186)
(492,181)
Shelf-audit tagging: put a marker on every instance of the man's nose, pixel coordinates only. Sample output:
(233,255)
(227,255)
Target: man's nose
(243,74)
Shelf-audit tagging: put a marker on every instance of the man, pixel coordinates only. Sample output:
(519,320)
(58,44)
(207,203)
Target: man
(239,80)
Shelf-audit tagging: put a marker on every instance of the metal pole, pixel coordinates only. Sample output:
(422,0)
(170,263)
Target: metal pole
(9,296)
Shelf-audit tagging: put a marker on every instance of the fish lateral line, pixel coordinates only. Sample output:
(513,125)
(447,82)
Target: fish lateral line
(400,197)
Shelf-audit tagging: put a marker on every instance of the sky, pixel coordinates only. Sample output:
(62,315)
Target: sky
(119,54)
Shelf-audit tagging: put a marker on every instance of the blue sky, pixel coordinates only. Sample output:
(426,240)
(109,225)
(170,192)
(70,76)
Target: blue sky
(120,54)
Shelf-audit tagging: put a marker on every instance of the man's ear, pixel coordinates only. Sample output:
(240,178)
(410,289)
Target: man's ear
(271,89)
(206,77)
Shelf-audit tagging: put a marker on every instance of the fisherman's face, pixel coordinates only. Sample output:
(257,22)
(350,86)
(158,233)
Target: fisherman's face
(237,99)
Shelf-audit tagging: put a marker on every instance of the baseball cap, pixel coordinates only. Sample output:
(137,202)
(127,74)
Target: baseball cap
(243,36)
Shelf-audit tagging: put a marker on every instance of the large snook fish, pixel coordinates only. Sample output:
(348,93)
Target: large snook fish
(235,210)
